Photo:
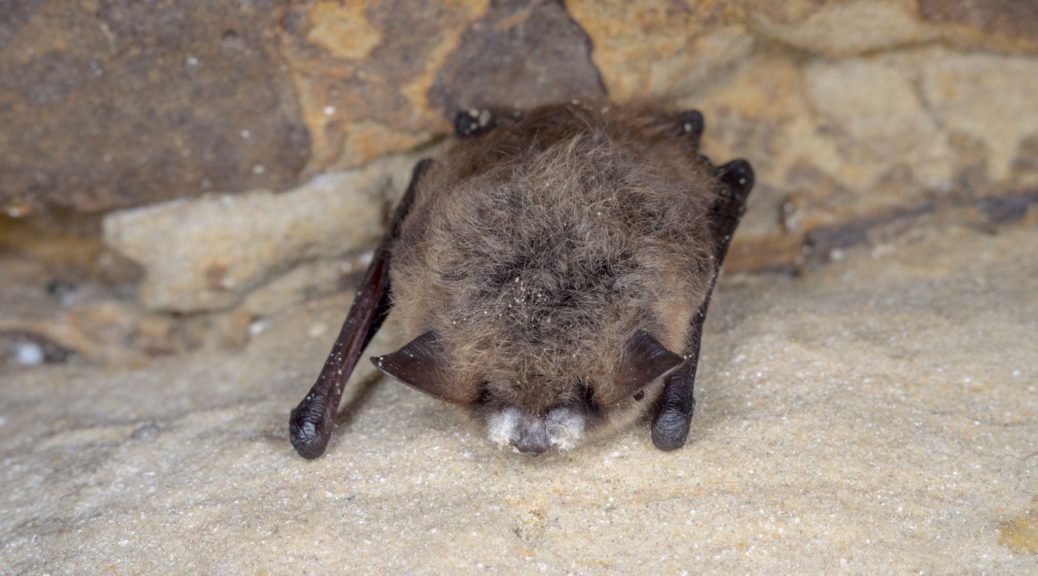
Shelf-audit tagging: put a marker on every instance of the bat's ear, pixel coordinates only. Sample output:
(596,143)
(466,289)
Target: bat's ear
(643,360)
(422,364)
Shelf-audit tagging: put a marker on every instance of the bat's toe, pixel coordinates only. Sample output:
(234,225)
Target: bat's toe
(737,175)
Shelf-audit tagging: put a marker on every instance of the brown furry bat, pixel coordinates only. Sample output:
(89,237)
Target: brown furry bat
(553,270)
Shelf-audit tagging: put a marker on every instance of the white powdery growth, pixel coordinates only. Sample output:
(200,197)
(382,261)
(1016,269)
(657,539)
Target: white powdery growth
(29,353)
(502,426)
(565,428)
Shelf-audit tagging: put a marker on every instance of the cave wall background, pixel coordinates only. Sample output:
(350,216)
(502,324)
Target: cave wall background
(176,157)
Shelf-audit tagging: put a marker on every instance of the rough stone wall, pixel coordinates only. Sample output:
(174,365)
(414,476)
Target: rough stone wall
(118,103)
(845,107)
(107,104)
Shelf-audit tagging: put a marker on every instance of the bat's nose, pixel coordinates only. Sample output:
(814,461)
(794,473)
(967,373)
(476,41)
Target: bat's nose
(533,440)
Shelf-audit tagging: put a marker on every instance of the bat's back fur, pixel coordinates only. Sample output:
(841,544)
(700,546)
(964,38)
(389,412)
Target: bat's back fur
(537,249)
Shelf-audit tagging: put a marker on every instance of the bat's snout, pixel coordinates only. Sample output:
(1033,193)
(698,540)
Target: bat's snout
(562,428)
(533,441)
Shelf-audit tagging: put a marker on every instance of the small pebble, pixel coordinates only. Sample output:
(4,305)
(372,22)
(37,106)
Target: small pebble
(28,353)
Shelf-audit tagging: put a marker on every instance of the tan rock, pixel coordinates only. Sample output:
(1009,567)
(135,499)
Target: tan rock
(347,83)
(1025,167)
(306,281)
(878,121)
(367,141)
(758,111)
(660,48)
(841,29)
(343,30)
(106,332)
(338,90)
(1006,25)
(854,140)
(876,417)
(375,78)
(205,254)
(990,97)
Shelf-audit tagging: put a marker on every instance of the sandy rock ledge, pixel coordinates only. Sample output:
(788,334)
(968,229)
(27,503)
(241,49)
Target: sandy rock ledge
(876,416)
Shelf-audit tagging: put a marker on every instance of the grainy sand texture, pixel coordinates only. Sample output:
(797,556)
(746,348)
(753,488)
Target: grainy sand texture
(876,416)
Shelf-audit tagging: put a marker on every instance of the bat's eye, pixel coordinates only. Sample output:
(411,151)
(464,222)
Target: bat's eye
(587,399)
(485,398)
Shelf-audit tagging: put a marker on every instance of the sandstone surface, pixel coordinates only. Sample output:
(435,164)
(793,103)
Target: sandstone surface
(875,416)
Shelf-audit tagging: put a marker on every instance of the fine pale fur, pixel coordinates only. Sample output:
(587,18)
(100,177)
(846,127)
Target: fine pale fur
(536,250)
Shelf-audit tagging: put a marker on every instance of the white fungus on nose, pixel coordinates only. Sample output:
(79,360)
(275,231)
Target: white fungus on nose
(502,426)
(565,428)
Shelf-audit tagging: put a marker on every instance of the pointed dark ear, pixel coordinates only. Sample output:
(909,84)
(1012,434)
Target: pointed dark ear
(422,364)
(643,360)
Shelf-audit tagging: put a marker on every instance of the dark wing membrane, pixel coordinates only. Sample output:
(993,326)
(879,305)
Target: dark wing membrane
(422,364)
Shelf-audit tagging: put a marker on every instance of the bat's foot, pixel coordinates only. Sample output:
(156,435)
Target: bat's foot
(672,422)
(691,124)
(670,429)
(473,122)
(737,175)
(310,428)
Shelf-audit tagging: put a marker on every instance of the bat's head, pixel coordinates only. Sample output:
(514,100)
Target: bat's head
(531,410)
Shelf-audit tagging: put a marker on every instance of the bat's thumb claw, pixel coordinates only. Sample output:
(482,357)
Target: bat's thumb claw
(738,176)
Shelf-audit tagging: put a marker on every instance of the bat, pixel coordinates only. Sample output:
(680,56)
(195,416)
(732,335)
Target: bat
(552,270)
